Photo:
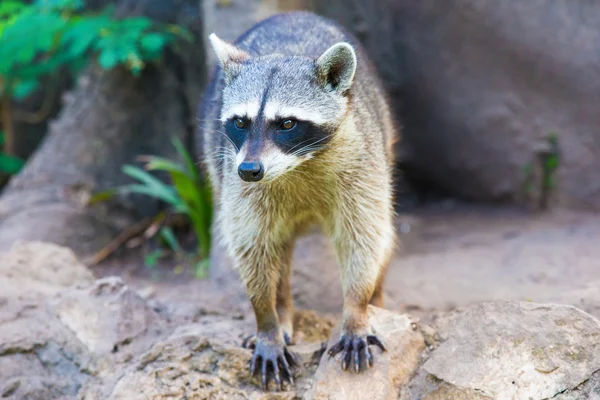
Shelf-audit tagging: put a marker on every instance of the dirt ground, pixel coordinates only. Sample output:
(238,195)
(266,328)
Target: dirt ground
(451,255)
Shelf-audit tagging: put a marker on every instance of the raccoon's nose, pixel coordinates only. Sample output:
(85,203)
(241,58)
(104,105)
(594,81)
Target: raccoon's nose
(251,171)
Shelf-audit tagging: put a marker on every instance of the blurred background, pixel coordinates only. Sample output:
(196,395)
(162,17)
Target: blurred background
(498,168)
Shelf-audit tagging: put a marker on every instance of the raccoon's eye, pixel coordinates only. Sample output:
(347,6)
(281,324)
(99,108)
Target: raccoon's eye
(239,123)
(287,124)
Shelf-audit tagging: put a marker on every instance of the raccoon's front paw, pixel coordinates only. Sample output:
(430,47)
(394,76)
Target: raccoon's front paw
(250,341)
(356,348)
(272,358)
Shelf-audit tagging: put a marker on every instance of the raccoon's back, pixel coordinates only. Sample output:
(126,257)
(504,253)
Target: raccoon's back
(302,33)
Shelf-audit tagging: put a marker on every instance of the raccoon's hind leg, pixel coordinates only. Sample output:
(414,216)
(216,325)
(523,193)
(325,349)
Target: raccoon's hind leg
(261,270)
(364,244)
(377,297)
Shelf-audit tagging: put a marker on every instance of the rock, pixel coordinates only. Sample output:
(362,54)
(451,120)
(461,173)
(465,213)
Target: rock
(516,350)
(59,328)
(588,390)
(107,315)
(192,363)
(39,357)
(391,369)
(34,269)
(200,361)
(73,337)
(477,123)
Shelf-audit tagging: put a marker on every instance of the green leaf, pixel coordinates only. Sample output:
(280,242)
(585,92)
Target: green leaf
(163,194)
(60,5)
(102,196)
(552,162)
(10,7)
(169,237)
(108,59)
(152,187)
(10,165)
(187,158)
(151,259)
(155,163)
(83,32)
(153,42)
(134,24)
(202,268)
(26,36)
(142,176)
(25,88)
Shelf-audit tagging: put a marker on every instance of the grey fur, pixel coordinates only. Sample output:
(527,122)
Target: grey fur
(299,61)
(291,43)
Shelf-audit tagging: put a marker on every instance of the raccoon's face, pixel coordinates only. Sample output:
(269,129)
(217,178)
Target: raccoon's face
(279,111)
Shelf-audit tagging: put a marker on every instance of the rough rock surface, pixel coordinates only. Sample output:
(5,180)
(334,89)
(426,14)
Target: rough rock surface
(516,350)
(64,335)
(477,121)
(392,369)
(68,336)
(41,268)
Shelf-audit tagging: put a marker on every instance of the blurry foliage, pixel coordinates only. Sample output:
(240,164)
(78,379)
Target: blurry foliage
(9,164)
(539,177)
(551,161)
(38,39)
(188,195)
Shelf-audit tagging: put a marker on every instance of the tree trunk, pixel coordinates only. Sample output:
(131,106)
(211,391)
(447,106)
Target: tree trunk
(31,115)
(108,120)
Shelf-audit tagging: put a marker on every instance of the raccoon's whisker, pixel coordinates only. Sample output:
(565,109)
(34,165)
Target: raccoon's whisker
(306,149)
(230,141)
(301,143)
(208,119)
(224,154)
(315,142)
(310,146)
(221,160)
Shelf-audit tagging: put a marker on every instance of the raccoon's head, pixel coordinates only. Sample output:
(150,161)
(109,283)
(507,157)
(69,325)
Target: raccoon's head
(279,111)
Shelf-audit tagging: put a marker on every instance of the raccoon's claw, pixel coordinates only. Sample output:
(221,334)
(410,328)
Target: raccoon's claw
(356,349)
(280,359)
(249,342)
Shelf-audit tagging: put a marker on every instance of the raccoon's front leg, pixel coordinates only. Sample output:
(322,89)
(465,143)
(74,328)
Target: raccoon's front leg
(284,303)
(262,271)
(364,249)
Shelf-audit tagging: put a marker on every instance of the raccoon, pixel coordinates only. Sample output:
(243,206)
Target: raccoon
(296,131)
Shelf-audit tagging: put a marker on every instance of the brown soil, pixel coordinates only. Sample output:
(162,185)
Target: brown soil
(452,255)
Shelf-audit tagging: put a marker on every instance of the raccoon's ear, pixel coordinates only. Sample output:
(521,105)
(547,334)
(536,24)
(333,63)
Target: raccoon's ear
(336,67)
(229,56)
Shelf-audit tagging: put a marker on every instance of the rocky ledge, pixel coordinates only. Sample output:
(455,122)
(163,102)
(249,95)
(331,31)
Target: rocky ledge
(66,335)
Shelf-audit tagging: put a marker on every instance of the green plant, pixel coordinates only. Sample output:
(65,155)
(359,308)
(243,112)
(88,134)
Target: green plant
(9,165)
(541,173)
(39,39)
(551,161)
(188,194)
